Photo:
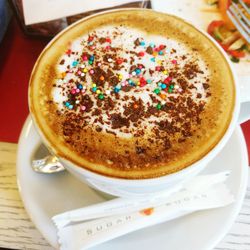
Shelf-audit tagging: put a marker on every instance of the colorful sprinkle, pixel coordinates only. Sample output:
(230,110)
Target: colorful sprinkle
(85,70)
(160,53)
(119,61)
(94,89)
(85,58)
(165,72)
(163,96)
(101,96)
(75,63)
(163,86)
(102,78)
(142,43)
(67,104)
(70,106)
(83,107)
(152,45)
(68,52)
(98,91)
(137,71)
(157,91)
(152,59)
(91,71)
(141,54)
(135,106)
(158,106)
(174,61)
(108,40)
(149,81)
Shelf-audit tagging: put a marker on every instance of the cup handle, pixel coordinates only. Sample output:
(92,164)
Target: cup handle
(244,99)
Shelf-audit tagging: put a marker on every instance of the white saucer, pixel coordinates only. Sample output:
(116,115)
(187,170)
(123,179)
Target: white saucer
(47,195)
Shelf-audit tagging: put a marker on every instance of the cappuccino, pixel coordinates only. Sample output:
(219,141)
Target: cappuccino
(132,94)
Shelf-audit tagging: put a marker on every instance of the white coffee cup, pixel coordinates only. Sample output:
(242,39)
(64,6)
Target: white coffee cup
(167,183)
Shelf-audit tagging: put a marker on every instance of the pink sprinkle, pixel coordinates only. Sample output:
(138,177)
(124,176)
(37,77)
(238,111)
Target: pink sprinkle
(123,84)
(179,90)
(99,64)
(107,47)
(85,58)
(83,91)
(140,67)
(83,108)
(77,90)
(73,91)
(79,72)
(91,71)
(74,87)
(157,68)
(174,61)
(92,47)
(129,75)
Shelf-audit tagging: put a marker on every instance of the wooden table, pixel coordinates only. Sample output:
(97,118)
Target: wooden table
(18,232)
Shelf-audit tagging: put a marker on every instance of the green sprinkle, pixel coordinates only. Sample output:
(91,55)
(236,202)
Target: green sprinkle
(90,62)
(157,91)
(158,106)
(170,90)
(101,96)
(171,86)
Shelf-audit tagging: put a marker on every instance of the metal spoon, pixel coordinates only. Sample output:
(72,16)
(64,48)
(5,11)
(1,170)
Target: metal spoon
(48,165)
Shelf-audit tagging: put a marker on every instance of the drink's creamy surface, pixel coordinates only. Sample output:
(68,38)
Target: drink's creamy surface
(128,102)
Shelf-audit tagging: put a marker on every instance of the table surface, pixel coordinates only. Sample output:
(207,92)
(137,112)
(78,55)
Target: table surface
(17,56)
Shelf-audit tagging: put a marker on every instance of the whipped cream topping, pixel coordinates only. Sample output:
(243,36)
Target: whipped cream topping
(123,81)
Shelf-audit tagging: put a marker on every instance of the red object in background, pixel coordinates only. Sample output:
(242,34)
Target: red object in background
(18,54)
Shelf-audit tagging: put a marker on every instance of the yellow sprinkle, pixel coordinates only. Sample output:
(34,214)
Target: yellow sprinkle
(165,72)
(159,62)
(93,85)
(98,91)
(120,76)
(63,74)
(155,53)
(85,70)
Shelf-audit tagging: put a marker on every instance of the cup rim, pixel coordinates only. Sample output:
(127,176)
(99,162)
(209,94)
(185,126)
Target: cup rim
(176,175)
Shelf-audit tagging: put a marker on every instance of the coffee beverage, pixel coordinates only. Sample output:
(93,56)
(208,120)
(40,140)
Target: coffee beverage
(132,94)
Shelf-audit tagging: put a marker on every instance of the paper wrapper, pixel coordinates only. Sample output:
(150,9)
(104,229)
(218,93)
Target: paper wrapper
(89,226)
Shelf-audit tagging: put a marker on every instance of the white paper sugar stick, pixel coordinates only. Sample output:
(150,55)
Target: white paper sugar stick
(87,234)
(122,205)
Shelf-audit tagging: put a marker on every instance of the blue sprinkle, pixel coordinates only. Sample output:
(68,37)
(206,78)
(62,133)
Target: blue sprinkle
(70,106)
(94,89)
(142,43)
(137,71)
(116,90)
(90,43)
(159,84)
(149,81)
(74,63)
(79,86)
(91,58)
(152,45)
(160,52)
(152,59)
(67,104)
(130,81)
(163,86)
